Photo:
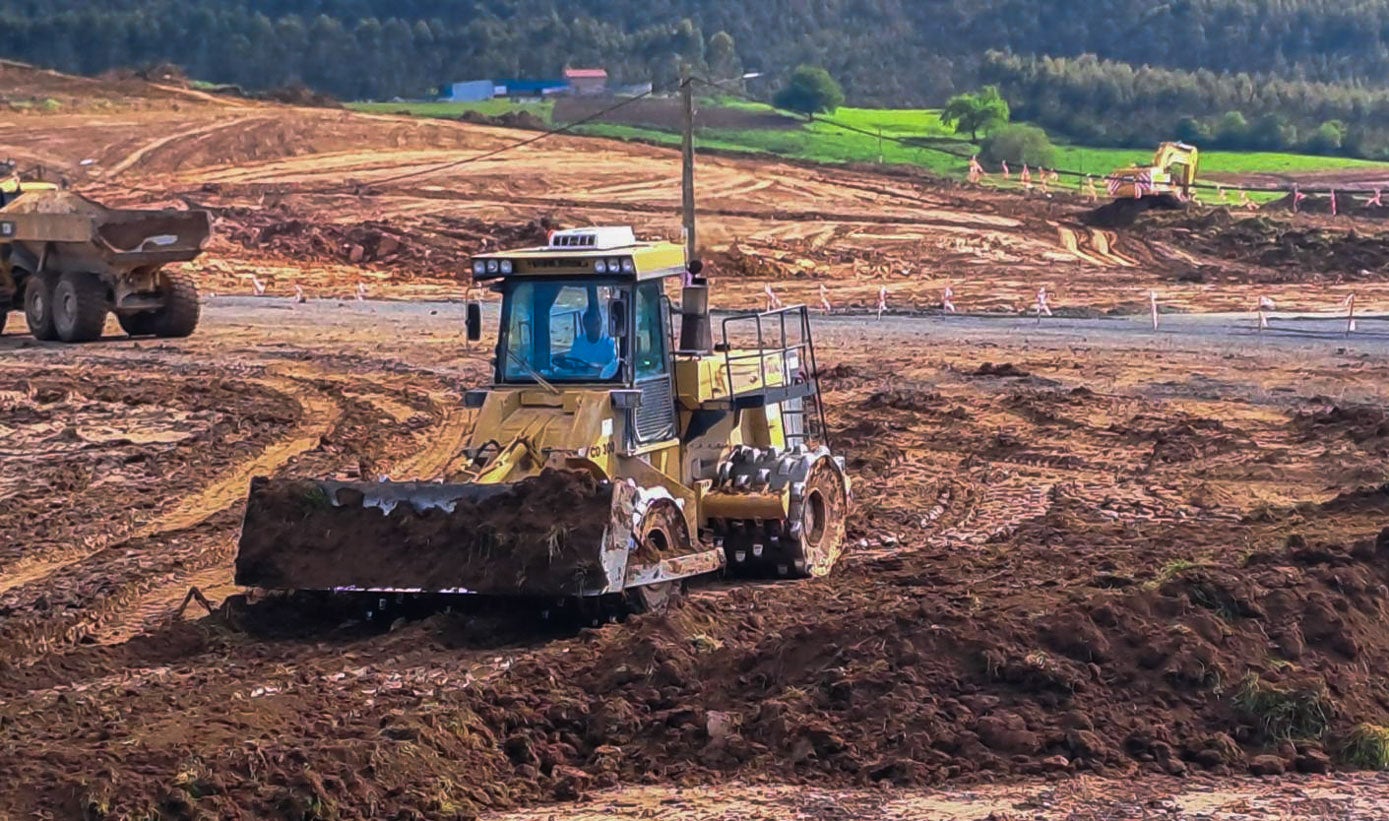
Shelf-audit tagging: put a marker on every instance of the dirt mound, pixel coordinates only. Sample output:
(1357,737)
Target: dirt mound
(1359,423)
(300,95)
(1347,204)
(1294,252)
(439,247)
(508,119)
(887,689)
(1002,369)
(1122,213)
(544,534)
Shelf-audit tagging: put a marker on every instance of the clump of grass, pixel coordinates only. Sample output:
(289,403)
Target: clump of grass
(1367,747)
(705,644)
(1169,571)
(1284,712)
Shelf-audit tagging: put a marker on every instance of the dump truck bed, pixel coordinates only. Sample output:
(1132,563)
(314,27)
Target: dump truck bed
(72,233)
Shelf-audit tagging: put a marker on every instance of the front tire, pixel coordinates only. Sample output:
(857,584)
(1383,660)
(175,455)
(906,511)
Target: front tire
(79,307)
(818,529)
(38,306)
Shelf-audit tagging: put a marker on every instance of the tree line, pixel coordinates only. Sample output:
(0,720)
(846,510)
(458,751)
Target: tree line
(1100,102)
(1217,56)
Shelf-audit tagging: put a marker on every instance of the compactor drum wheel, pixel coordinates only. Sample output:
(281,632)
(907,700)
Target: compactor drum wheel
(79,307)
(810,539)
(38,306)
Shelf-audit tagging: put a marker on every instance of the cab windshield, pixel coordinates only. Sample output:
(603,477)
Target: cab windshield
(559,331)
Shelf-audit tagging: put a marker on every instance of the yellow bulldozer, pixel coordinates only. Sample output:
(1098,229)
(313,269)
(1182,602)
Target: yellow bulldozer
(1166,183)
(610,461)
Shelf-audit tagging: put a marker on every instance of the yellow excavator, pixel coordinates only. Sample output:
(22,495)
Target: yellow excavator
(1166,183)
(610,461)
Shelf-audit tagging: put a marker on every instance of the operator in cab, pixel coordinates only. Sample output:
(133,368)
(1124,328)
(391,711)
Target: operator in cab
(594,348)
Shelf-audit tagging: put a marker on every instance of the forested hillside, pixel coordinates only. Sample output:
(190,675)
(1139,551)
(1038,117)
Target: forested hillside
(1214,56)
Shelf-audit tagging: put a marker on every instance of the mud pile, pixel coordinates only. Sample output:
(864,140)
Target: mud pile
(1347,204)
(1292,252)
(775,259)
(439,247)
(541,535)
(1255,668)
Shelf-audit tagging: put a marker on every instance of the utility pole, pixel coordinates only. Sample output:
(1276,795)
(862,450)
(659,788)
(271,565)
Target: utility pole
(687,196)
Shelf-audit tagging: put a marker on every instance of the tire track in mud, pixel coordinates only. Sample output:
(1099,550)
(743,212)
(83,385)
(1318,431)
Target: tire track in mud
(100,581)
(212,570)
(318,414)
(145,150)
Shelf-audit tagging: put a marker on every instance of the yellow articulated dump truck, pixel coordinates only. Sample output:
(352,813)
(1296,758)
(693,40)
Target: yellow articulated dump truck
(67,262)
(612,458)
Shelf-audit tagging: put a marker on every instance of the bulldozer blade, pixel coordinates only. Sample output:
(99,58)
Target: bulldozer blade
(559,534)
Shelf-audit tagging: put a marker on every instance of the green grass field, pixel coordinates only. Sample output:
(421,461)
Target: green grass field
(910,137)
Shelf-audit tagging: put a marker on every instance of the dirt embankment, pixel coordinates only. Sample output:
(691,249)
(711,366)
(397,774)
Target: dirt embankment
(436,248)
(1265,247)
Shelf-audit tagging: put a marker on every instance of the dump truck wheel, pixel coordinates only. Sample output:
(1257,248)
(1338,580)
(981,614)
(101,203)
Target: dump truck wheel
(141,324)
(79,307)
(38,306)
(818,530)
(179,316)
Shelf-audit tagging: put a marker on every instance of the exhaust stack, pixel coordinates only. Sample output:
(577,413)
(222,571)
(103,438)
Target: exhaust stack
(696,331)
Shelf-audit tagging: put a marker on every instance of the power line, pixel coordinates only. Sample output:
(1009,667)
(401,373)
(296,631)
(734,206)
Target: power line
(520,144)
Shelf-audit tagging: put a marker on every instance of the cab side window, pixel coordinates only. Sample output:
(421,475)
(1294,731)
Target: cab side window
(649,344)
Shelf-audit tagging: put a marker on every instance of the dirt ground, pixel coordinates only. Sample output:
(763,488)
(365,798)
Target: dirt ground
(1065,560)
(1085,578)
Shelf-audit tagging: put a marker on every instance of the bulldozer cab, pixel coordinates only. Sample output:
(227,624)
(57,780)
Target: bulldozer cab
(587,308)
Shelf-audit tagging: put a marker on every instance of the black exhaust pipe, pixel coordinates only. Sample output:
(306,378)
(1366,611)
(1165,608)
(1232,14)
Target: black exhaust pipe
(696,330)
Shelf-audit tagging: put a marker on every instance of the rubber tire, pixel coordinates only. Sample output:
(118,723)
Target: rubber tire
(79,307)
(179,316)
(38,306)
(141,324)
